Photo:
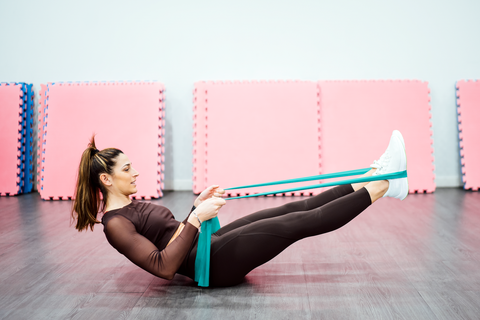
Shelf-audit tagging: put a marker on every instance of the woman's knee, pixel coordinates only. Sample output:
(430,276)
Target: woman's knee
(295,206)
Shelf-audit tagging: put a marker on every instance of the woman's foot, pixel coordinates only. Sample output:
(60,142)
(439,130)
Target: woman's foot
(393,140)
(394,160)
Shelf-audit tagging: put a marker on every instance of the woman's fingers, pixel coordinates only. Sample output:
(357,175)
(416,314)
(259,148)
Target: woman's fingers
(213,187)
(219,202)
(209,191)
(218,192)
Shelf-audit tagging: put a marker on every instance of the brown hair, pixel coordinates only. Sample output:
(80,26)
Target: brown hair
(87,201)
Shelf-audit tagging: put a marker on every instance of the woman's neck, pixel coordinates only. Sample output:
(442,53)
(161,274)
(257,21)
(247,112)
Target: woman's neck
(117,201)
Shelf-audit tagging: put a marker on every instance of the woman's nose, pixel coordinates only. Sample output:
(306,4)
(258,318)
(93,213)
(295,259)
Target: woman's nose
(135,172)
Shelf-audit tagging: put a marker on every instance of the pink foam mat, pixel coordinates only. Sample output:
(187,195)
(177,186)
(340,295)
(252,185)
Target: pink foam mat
(42,105)
(468,101)
(125,115)
(358,117)
(10,136)
(252,132)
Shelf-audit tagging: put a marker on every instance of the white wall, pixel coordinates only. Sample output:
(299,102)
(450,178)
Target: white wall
(180,42)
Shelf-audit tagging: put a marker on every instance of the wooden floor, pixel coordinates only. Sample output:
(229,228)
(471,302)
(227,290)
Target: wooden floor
(416,259)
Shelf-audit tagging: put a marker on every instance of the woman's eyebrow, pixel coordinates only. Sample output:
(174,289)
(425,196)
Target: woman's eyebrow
(127,164)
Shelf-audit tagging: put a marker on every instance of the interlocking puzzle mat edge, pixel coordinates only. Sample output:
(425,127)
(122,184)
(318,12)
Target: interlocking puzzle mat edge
(9,191)
(42,106)
(30,105)
(467,116)
(198,134)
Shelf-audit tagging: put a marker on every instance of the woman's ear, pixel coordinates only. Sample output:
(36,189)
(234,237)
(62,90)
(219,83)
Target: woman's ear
(106,179)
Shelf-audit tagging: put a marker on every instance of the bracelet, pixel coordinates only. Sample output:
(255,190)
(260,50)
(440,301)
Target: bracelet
(195,214)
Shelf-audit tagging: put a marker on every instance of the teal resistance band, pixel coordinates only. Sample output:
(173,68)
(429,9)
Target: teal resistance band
(202,261)
(311,178)
(388,176)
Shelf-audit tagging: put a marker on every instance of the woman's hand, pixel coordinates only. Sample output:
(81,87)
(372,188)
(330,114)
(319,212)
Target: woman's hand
(212,191)
(207,210)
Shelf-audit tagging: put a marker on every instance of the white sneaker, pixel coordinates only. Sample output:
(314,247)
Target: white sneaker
(381,162)
(394,160)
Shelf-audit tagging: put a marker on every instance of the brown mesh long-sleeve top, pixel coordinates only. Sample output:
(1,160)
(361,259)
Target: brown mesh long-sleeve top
(141,232)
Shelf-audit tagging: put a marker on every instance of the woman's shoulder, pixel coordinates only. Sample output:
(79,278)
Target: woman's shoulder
(123,211)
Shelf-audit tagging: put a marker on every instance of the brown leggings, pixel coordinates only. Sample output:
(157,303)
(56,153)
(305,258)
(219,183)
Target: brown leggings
(246,243)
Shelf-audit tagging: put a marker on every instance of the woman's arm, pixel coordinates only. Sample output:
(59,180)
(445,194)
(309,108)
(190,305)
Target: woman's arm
(121,234)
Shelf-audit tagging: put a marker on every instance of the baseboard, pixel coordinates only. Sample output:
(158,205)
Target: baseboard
(179,185)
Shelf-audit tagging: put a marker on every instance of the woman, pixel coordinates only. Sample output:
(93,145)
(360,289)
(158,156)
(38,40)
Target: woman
(150,237)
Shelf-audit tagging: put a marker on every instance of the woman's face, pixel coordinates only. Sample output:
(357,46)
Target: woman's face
(124,176)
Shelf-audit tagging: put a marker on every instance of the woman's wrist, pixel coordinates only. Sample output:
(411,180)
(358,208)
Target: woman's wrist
(194,221)
(197,202)
(196,216)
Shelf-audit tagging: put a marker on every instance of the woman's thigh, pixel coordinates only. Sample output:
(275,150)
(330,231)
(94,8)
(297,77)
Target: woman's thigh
(295,206)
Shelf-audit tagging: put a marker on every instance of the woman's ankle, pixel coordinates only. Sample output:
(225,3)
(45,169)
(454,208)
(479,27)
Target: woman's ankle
(377,189)
(358,186)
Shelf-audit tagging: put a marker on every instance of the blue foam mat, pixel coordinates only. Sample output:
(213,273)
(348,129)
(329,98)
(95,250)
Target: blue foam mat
(29,174)
(26,174)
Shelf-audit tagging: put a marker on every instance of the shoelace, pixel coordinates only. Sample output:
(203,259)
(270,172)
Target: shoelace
(380,162)
(384,163)
(376,164)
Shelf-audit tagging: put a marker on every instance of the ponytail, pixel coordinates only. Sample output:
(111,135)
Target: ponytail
(87,202)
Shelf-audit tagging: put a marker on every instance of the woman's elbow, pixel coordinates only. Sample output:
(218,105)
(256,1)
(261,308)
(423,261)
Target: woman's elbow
(168,276)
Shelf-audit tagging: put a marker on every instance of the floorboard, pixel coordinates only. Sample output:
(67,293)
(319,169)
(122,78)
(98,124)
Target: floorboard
(416,259)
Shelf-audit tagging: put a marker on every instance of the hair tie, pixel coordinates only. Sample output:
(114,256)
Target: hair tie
(95,151)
